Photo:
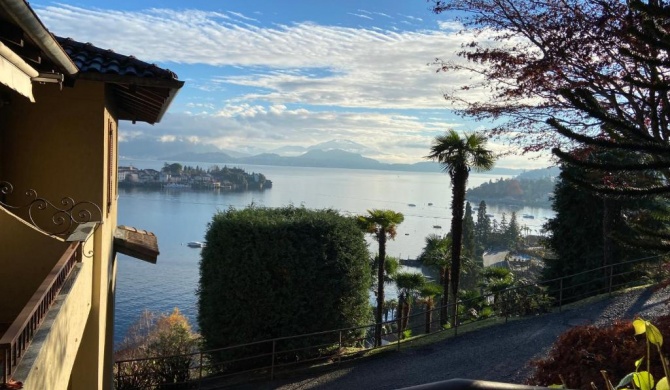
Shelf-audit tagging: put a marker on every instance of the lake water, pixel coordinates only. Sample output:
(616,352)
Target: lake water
(180,216)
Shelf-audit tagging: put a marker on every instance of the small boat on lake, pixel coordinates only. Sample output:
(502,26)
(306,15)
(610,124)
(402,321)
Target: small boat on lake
(195,244)
(411,205)
(528,216)
(437,226)
(430,204)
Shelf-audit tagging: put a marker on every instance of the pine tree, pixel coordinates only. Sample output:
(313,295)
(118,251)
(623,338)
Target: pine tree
(587,232)
(513,233)
(482,228)
(501,232)
(469,242)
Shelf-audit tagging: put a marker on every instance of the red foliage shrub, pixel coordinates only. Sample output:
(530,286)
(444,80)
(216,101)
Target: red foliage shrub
(582,352)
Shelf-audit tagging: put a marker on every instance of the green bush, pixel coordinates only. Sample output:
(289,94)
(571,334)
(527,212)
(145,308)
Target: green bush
(486,312)
(268,273)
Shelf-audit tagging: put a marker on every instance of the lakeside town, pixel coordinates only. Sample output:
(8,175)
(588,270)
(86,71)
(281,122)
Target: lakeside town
(176,176)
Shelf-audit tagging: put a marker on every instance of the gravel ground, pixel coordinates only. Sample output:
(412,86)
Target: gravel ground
(499,353)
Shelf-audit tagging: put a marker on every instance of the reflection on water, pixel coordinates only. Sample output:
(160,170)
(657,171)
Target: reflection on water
(180,216)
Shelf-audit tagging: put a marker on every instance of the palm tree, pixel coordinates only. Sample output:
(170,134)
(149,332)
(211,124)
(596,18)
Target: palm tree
(437,253)
(408,284)
(458,156)
(428,292)
(382,225)
(496,280)
(390,307)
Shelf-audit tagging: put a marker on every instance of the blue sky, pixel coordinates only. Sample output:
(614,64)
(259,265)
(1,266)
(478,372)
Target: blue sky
(265,74)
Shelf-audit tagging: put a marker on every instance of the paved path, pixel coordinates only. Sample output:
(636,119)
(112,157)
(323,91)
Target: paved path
(499,353)
(494,258)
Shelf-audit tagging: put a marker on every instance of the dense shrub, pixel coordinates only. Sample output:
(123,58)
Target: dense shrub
(268,273)
(582,352)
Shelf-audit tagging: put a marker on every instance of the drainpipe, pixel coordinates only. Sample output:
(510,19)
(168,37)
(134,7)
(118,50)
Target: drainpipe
(27,20)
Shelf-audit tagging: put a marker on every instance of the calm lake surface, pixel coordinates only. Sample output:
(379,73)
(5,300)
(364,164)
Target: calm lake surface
(179,216)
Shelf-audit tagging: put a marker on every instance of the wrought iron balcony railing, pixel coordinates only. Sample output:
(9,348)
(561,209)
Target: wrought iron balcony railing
(56,219)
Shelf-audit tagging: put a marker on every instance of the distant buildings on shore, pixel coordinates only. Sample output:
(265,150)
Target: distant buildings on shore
(228,179)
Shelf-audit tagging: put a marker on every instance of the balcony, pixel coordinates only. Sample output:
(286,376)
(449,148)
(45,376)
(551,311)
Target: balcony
(45,299)
(43,307)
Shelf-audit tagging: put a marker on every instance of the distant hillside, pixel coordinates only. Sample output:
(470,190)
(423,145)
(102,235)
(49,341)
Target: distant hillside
(336,153)
(519,190)
(213,157)
(539,173)
(333,158)
(344,145)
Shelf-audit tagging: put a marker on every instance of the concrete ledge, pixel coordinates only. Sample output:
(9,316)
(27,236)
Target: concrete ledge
(59,337)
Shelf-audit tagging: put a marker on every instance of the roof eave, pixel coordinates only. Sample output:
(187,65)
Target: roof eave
(171,85)
(131,80)
(27,20)
(172,94)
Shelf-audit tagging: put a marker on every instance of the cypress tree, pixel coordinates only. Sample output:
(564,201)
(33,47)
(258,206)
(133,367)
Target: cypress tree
(469,243)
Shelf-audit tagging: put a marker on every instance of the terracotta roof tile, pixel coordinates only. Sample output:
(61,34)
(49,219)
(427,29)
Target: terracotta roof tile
(89,58)
(143,91)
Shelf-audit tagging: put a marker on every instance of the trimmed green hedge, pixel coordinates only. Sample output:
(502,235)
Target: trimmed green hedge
(268,273)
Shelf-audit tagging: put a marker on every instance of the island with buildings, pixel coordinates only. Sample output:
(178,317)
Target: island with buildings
(176,176)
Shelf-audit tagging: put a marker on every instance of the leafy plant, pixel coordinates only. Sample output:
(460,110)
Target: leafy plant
(170,343)
(486,312)
(644,380)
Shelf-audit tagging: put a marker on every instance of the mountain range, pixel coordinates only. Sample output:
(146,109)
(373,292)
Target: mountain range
(331,154)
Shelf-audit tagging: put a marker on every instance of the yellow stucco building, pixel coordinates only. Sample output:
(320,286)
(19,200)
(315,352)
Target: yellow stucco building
(60,104)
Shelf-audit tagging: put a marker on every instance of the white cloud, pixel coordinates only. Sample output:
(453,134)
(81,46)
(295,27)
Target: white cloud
(364,67)
(302,83)
(360,16)
(241,16)
(450,25)
(397,138)
(414,18)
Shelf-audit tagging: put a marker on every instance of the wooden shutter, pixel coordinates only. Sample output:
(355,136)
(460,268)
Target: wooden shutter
(111,163)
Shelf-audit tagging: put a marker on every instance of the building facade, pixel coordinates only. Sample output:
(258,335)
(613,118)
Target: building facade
(60,105)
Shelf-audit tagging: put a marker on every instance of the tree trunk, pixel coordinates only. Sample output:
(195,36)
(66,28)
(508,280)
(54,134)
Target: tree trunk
(444,312)
(608,224)
(429,314)
(405,313)
(381,238)
(459,181)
